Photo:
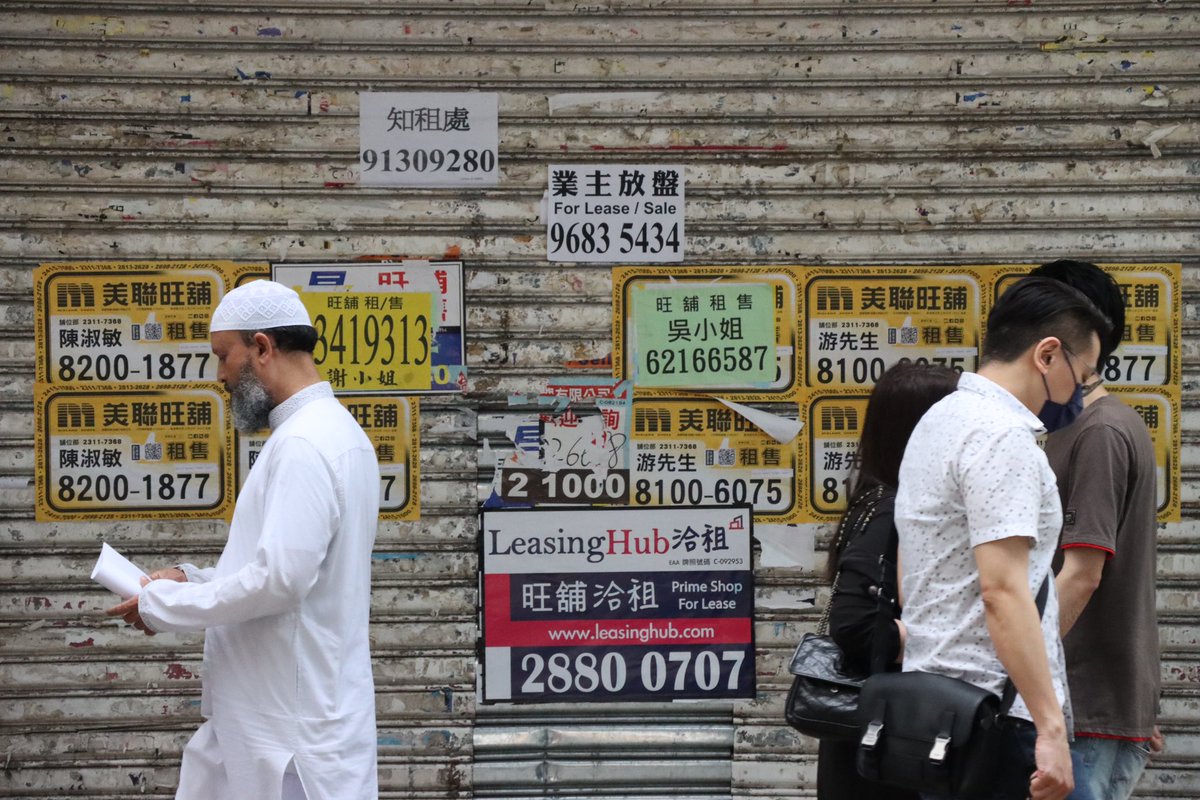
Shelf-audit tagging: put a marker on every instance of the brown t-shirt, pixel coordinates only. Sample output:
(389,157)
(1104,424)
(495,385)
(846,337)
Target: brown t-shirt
(1106,478)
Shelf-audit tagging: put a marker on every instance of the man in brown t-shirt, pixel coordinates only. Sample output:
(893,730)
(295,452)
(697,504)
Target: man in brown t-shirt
(1106,566)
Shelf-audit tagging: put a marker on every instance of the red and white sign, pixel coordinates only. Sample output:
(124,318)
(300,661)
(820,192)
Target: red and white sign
(617,604)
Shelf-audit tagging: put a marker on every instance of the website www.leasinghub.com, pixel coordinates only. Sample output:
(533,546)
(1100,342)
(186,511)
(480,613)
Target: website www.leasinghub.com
(642,633)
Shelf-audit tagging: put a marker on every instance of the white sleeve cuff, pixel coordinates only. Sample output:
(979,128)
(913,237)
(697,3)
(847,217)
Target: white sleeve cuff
(193,573)
(142,609)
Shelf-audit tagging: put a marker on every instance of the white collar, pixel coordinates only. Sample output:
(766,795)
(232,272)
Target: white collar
(281,412)
(986,387)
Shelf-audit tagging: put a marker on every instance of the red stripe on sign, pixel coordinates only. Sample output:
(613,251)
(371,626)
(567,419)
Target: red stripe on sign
(496,591)
(590,633)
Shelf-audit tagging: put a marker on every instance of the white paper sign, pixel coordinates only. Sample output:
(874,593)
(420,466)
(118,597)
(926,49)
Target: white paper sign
(614,213)
(428,139)
(781,429)
(118,574)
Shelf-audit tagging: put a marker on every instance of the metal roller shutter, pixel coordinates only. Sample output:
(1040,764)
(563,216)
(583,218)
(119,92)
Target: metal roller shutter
(814,132)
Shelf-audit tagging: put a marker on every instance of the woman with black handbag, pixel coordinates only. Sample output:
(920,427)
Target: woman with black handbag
(863,615)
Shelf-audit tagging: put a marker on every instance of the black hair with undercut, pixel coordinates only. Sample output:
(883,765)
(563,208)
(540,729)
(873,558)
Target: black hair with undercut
(288,338)
(1099,287)
(1035,308)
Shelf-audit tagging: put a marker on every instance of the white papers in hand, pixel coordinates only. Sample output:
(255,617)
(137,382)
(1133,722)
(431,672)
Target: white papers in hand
(117,573)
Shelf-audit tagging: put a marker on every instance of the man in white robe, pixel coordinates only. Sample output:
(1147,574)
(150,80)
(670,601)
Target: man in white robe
(288,696)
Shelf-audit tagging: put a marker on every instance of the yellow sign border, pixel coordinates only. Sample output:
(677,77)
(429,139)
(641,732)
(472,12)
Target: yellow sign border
(49,271)
(410,511)
(788,516)
(1172,509)
(43,512)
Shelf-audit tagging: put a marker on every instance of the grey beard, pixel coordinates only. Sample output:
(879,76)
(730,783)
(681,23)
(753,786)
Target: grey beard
(251,405)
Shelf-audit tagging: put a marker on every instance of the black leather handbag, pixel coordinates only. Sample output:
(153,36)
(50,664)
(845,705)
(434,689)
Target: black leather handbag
(823,700)
(933,733)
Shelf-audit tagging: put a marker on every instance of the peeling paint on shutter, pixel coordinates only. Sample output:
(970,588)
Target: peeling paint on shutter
(834,132)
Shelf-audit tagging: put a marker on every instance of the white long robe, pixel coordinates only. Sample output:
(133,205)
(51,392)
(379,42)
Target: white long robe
(287,670)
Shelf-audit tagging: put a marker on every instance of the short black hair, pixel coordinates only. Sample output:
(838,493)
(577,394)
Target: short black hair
(288,338)
(1098,286)
(1035,308)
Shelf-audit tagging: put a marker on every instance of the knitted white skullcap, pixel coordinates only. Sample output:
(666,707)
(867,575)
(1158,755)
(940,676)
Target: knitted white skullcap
(257,306)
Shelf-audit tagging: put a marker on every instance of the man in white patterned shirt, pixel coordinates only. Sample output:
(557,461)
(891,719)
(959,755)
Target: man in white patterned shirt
(978,515)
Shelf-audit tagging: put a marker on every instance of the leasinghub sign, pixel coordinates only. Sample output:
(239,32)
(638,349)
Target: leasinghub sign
(605,605)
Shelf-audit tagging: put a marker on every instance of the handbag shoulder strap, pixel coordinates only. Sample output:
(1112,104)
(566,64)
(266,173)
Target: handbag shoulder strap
(1010,689)
(851,526)
(885,609)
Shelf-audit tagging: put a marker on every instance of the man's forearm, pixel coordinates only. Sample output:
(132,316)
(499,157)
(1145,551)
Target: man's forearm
(1074,592)
(1077,581)
(1013,623)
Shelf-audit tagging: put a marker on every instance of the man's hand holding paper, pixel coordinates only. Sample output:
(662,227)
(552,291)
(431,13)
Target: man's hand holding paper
(128,610)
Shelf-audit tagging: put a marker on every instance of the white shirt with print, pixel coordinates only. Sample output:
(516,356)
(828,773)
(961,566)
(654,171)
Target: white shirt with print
(973,473)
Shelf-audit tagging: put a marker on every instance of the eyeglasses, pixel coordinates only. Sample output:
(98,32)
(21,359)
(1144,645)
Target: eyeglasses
(1090,381)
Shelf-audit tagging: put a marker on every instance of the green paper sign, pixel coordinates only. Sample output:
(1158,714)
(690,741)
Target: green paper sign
(711,335)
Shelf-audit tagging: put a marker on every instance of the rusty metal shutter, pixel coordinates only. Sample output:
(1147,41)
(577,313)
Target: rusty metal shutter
(818,131)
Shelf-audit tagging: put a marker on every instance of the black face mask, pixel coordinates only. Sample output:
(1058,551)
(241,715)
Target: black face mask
(1056,416)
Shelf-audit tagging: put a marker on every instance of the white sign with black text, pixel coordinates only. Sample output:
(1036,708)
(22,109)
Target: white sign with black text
(428,139)
(613,213)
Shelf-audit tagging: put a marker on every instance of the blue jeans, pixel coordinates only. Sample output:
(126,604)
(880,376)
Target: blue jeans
(1107,769)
